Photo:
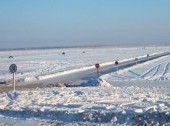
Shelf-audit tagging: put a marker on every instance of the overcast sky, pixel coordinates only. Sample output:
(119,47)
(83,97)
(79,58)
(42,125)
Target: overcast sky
(48,23)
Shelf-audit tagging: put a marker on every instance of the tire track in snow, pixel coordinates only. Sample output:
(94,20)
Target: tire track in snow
(44,71)
(134,73)
(156,71)
(166,68)
(47,69)
(165,71)
(150,70)
(122,76)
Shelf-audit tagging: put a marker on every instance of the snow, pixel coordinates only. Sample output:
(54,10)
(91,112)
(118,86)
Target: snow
(157,69)
(92,104)
(132,95)
(16,122)
(41,63)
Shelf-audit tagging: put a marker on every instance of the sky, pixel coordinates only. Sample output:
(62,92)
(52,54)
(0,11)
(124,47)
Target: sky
(53,23)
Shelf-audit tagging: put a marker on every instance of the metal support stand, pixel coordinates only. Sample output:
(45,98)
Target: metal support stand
(13,82)
(98,72)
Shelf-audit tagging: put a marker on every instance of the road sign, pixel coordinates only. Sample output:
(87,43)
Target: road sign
(11,57)
(97,65)
(148,56)
(13,68)
(136,59)
(116,62)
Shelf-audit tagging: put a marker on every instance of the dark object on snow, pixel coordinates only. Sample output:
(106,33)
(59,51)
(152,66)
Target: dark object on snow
(13,68)
(97,65)
(116,62)
(147,55)
(57,85)
(83,51)
(10,57)
(136,58)
(2,82)
(63,53)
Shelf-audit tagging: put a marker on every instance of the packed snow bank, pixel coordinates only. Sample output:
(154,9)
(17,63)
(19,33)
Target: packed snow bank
(104,68)
(104,83)
(65,73)
(29,79)
(130,104)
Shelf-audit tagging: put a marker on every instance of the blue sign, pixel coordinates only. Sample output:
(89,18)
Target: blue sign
(13,68)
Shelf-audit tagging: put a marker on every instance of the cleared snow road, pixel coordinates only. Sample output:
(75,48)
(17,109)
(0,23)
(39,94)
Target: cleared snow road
(82,77)
(89,73)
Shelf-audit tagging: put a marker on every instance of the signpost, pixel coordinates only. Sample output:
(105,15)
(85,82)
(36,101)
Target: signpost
(97,65)
(148,56)
(13,69)
(116,63)
(136,59)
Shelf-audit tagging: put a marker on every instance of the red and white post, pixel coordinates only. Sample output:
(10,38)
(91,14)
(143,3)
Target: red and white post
(97,65)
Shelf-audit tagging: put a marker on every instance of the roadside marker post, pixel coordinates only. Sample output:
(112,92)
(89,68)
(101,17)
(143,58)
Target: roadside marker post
(136,59)
(13,69)
(147,56)
(97,65)
(116,63)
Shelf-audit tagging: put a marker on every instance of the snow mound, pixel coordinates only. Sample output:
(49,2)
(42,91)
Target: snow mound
(104,83)
(30,79)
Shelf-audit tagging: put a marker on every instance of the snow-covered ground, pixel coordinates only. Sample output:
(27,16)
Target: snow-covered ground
(128,104)
(34,63)
(157,69)
(136,95)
